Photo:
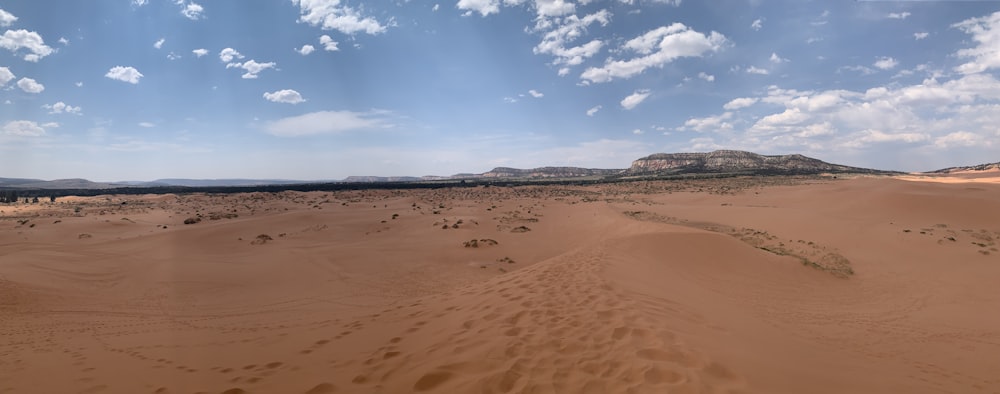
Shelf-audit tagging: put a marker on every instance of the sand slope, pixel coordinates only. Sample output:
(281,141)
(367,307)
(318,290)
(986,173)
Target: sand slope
(708,286)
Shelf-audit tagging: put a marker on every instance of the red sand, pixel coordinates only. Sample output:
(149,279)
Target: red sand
(868,285)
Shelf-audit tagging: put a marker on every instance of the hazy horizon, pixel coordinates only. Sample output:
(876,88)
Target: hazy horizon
(325,89)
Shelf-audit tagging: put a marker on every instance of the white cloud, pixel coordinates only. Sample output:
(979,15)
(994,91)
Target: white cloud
(777,59)
(332,15)
(159,43)
(14,40)
(634,99)
(657,48)
(5,76)
(536,94)
(328,43)
(757,24)
(861,69)
(23,128)
(193,11)
(959,139)
(554,8)
(885,63)
(30,85)
(228,54)
(147,124)
(710,123)
(436,7)
(288,96)
(920,35)
(139,3)
(200,52)
(61,107)
(325,122)
(124,74)
(6,18)
(755,70)
(79,84)
(985,32)
(898,15)
(63,40)
(738,103)
(593,110)
(252,67)
(483,7)
(173,56)
(306,49)
(637,131)
(707,77)
(556,41)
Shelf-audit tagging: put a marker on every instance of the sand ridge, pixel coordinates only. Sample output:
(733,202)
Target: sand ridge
(681,286)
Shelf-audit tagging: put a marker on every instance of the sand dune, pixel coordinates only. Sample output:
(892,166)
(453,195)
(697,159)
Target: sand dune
(774,285)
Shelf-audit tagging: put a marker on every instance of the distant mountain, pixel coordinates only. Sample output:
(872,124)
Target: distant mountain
(223,182)
(54,184)
(732,161)
(373,179)
(546,172)
(980,167)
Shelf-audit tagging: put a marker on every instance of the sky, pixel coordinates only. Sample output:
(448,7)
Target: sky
(325,89)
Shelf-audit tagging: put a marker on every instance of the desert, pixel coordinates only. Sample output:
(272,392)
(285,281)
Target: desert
(788,284)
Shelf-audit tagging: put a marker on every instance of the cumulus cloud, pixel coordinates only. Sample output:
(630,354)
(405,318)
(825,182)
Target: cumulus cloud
(30,85)
(326,122)
(228,54)
(6,18)
(757,24)
(146,124)
(707,77)
(23,128)
(885,63)
(985,32)
(738,103)
(634,99)
(536,94)
(656,48)
(124,74)
(593,110)
(758,71)
(328,43)
(558,40)
(159,43)
(15,40)
(252,68)
(898,15)
(483,7)
(287,96)
(920,35)
(5,76)
(777,59)
(200,52)
(61,107)
(333,15)
(710,123)
(306,49)
(192,10)
(959,113)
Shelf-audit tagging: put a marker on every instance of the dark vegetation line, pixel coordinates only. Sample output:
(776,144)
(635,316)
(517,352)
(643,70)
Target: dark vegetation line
(437,184)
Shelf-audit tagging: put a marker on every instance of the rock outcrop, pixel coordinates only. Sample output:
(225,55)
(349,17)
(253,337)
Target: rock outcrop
(732,161)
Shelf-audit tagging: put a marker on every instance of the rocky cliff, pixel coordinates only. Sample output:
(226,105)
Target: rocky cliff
(975,168)
(547,172)
(727,161)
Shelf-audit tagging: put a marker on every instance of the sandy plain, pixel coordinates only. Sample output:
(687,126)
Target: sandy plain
(742,285)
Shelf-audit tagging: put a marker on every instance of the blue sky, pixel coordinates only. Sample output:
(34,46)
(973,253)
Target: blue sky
(324,89)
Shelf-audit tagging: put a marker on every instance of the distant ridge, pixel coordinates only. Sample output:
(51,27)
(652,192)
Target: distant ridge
(731,162)
(734,161)
(979,167)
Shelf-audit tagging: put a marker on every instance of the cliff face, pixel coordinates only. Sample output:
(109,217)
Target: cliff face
(733,161)
(546,172)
